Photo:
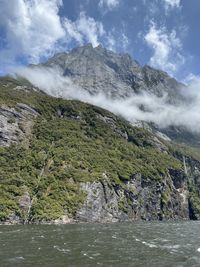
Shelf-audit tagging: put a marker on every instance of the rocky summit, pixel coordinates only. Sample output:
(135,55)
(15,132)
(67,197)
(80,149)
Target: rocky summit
(99,70)
(65,161)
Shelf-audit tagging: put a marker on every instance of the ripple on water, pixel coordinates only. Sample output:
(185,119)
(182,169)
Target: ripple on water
(40,236)
(16,259)
(96,254)
(141,244)
(63,250)
(150,245)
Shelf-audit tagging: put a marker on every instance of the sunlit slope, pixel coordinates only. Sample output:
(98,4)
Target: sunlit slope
(69,143)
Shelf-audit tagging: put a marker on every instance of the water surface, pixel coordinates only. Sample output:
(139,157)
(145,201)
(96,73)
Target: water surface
(128,244)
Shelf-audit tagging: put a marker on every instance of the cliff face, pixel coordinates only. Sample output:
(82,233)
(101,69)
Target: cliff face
(65,161)
(134,199)
(99,70)
(15,123)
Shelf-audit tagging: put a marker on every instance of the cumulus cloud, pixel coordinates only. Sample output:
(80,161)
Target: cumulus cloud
(109,4)
(167,48)
(33,30)
(155,109)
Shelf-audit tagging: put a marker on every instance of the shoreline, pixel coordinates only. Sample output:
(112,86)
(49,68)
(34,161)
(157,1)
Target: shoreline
(97,223)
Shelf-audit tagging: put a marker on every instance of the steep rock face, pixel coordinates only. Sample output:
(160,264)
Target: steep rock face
(99,70)
(193,171)
(15,123)
(135,199)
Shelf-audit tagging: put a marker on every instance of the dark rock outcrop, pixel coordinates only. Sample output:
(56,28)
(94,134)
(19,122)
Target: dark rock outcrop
(135,199)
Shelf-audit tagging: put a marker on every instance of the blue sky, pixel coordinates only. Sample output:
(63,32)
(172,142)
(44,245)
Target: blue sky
(161,33)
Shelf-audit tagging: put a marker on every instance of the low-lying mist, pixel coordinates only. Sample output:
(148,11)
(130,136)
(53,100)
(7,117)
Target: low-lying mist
(155,109)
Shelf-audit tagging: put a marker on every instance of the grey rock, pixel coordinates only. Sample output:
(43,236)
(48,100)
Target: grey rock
(99,70)
(15,124)
(101,204)
(25,202)
(135,199)
(27,110)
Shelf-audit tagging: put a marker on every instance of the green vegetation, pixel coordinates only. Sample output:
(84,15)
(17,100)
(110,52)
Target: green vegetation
(165,197)
(180,150)
(70,144)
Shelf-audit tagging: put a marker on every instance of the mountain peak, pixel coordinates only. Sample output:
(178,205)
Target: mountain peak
(99,70)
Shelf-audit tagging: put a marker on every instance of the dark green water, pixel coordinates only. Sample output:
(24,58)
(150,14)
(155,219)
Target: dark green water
(137,244)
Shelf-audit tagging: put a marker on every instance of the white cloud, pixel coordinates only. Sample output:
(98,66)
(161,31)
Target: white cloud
(85,29)
(117,40)
(72,31)
(111,42)
(109,4)
(32,28)
(166,48)
(191,79)
(124,41)
(172,3)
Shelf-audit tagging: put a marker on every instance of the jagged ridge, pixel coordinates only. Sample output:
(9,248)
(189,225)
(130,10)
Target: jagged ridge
(100,70)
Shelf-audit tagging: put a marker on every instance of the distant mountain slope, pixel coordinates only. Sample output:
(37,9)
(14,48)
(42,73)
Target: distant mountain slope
(64,161)
(99,70)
